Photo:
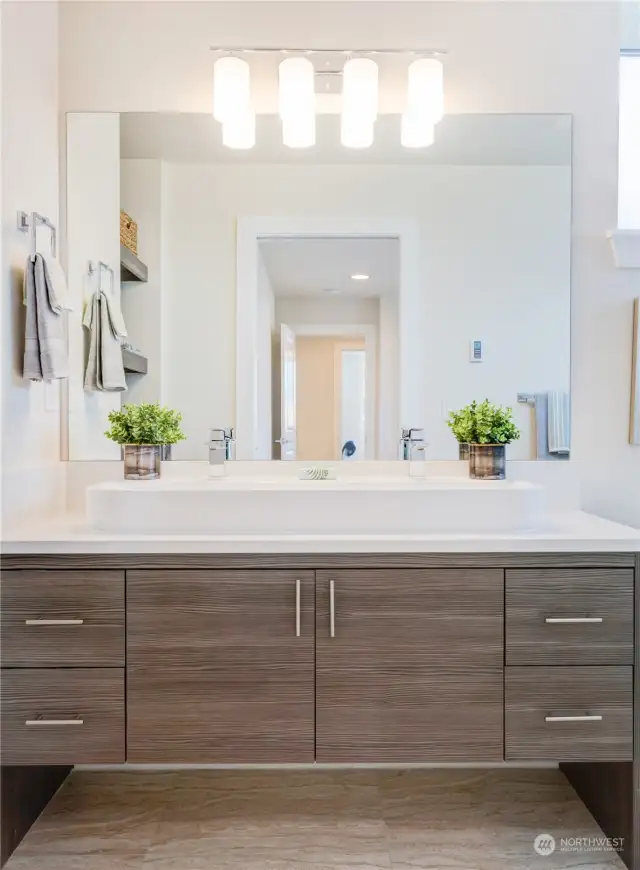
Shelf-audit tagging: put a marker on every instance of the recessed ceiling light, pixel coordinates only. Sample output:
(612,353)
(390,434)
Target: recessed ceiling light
(331,290)
(360,277)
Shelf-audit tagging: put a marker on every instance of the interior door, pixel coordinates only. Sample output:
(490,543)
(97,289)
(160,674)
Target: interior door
(288,392)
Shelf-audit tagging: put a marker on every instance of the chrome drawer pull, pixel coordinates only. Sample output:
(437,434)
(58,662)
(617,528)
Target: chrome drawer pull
(298,607)
(54,722)
(571,620)
(584,718)
(332,608)
(54,621)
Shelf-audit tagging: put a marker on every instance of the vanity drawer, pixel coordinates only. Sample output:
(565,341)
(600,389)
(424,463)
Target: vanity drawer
(63,716)
(63,618)
(569,714)
(569,616)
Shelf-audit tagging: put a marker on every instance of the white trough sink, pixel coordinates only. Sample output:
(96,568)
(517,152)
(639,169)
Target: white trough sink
(356,506)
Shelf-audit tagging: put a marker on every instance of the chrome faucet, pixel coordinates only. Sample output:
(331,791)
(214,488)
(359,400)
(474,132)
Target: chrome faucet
(222,445)
(412,440)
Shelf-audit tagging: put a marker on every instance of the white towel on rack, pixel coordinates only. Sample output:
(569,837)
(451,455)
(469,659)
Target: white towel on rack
(45,346)
(559,421)
(105,369)
(57,280)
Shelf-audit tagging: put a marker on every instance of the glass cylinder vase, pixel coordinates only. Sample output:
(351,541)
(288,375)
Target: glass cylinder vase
(142,461)
(487,461)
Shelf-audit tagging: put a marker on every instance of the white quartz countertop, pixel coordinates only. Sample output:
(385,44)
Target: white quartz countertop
(575,531)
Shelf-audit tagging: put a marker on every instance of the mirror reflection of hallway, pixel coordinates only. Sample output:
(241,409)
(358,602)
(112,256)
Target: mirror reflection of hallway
(331,397)
(328,314)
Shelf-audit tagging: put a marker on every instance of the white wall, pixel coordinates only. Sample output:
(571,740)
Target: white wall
(326,309)
(494,249)
(629,169)
(503,57)
(267,328)
(31,472)
(93,233)
(141,197)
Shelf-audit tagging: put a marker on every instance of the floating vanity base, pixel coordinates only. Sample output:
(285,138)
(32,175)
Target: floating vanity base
(295,659)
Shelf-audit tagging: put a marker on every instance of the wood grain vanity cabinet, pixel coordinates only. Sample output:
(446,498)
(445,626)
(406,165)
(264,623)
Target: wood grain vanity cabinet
(63,657)
(569,616)
(336,659)
(220,666)
(409,665)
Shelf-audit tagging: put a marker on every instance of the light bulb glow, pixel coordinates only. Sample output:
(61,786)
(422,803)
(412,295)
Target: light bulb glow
(417,130)
(296,88)
(425,93)
(360,88)
(239,132)
(231,88)
(299,132)
(356,131)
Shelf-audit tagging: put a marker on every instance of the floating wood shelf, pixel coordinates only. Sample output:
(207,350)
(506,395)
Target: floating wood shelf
(134,362)
(132,269)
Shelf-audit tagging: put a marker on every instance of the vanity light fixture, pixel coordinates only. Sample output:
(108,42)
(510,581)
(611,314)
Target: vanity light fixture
(416,130)
(297,97)
(232,102)
(425,103)
(231,88)
(296,102)
(239,132)
(359,102)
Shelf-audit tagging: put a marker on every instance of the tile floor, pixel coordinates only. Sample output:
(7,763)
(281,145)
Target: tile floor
(310,820)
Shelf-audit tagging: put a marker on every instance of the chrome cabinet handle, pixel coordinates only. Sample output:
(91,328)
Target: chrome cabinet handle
(585,718)
(54,722)
(54,621)
(571,620)
(332,608)
(297,607)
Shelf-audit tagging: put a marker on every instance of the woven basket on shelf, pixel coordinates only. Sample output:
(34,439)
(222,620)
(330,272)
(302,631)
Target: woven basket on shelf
(128,232)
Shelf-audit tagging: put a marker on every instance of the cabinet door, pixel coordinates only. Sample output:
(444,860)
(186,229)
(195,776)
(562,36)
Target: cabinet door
(409,665)
(220,666)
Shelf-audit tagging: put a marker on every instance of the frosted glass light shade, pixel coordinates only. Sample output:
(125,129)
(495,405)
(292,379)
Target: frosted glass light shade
(360,88)
(240,131)
(417,130)
(296,88)
(356,131)
(425,93)
(231,88)
(299,132)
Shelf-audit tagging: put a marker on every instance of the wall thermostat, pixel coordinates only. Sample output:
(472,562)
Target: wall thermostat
(476,351)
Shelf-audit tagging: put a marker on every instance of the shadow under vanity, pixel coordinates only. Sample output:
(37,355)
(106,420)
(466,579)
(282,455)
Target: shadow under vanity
(296,659)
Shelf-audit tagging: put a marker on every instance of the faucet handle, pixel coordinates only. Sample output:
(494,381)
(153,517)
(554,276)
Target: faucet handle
(222,435)
(412,434)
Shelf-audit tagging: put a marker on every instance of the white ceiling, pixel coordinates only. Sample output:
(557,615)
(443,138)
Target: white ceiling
(310,266)
(474,140)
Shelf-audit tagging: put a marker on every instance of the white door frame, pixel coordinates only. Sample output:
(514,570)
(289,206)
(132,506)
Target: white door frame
(250,231)
(369,333)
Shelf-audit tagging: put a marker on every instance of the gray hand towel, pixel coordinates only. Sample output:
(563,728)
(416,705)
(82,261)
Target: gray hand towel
(542,429)
(45,346)
(105,369)
(559,421)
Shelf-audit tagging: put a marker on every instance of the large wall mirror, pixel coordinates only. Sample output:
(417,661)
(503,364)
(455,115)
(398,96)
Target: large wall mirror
(320,300)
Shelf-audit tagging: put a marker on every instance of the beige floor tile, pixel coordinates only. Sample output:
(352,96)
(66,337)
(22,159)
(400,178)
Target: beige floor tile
(22,860)
(100,812)
(448,819)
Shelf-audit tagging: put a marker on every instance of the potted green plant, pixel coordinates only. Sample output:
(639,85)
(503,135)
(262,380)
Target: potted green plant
(461,424)
(143,430)
(489,428)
